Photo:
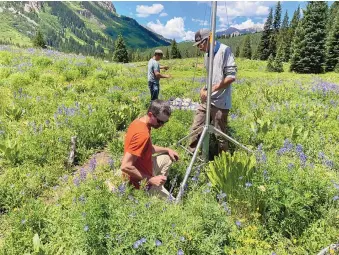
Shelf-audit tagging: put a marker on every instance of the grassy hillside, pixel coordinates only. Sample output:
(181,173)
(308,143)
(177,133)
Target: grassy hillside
(91,29)
(283,199)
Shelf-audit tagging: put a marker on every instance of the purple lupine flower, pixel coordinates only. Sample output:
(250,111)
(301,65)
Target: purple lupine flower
(86,228)
(76,181)
(82,198)
(182,239)
(122,188)
(299,148)
(226,208)
(221,196)
(238,223)
(329,163)
(303,158)
(143,240)
(137,244)
(111,163)
(321,155)
(148,204)
(92,164)
(248,184)
(158,243)
(83,174)
(335,198)
(23,221)
(180,252)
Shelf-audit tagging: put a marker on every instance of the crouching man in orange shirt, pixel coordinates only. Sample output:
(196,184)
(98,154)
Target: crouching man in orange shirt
(138,161)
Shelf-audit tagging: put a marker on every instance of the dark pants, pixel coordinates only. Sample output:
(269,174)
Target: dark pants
(218,119)
(154,89)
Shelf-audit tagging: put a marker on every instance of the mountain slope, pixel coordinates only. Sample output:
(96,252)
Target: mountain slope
(80,27)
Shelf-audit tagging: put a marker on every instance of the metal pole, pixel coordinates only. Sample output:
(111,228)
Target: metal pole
(210,77)
(189,168)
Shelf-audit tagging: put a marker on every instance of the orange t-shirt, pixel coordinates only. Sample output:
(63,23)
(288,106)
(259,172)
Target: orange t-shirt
(138,142)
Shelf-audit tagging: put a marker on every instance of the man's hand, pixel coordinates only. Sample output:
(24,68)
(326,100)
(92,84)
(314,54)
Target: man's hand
(157,180)
(169,76)
(166,67)
(173,155)
(203,95)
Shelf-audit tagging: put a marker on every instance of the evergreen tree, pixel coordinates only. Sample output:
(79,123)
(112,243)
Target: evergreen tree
(275,30)
(309,43)
(278,61)
(120,53)
(187,55)
(332,44)
(256,53)
(295,20)
(38,40)
(265,38)
(174,50)
(270,64)
(285,39)
(167,54)
(277,17)
(332,16)
(246,49)
(237,51)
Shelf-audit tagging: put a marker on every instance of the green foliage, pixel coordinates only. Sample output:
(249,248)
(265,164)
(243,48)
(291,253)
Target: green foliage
(286,204)
(270,64)
(246,51)
(309,43)
(120,52)
(38,40)
(228,173)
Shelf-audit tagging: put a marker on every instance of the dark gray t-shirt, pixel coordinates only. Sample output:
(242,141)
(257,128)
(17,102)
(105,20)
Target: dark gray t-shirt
(153,65)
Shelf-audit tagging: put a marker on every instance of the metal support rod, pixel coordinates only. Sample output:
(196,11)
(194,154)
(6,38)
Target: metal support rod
(189,168)
(215,130)
(191,134)
(210,77)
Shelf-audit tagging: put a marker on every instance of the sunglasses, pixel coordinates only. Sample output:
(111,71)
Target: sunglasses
(160,122)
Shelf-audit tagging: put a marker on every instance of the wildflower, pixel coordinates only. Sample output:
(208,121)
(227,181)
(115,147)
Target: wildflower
(82,199)
(111,163)
(221,196)
(137,244)
(262,188)
(335,198)
(76,181)
(180,252)
(23,221)
(158,243)
(226,207)
(248,184)
(299,148)
(122,188)
(238,223)
(148,204)
(182,239)
(92,164)
(86,228)
(303,158)
(143,240)
(83,174)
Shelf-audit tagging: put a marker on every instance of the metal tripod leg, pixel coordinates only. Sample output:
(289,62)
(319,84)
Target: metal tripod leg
(217,131)
(189,168)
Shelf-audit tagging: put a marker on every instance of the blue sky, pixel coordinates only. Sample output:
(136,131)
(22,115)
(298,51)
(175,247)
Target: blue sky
(180,20)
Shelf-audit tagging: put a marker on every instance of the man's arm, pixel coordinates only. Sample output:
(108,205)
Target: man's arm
(127,166)
(173,154)
(159,75)
(164,67)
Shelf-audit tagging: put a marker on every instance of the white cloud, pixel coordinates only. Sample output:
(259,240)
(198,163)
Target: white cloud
(173,29)
(249,24)
(201,22)
(145,10)
(227,11)
(163,14)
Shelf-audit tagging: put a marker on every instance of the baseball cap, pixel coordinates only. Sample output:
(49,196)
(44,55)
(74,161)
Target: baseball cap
(158,52)
(201,35)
